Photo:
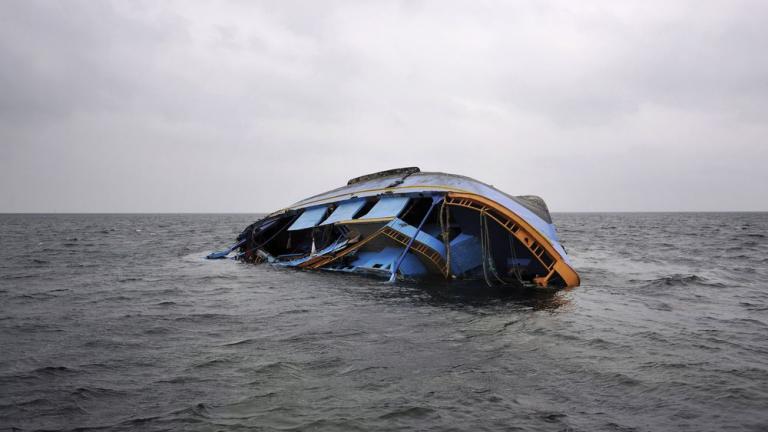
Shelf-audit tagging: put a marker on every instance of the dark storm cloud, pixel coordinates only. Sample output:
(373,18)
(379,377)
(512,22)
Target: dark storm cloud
(182,106)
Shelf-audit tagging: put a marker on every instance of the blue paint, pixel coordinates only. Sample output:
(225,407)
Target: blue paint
(335,246)
(466,254)
(520,262)
(433,182)
(387,207)
(422,237)
(385,259)
(223,254)
(435,200)
(310,218)
(345,211)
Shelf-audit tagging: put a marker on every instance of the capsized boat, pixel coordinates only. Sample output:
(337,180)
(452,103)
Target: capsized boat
(407,224)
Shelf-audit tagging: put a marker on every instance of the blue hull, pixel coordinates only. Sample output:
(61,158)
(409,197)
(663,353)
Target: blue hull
(408,224)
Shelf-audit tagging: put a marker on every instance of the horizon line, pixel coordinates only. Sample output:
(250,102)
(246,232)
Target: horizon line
(247,212)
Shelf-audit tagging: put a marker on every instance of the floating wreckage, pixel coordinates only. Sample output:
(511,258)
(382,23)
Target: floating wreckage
(408,224)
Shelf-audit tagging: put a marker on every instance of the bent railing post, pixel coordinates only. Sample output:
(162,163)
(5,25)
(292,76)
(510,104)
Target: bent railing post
(393,275)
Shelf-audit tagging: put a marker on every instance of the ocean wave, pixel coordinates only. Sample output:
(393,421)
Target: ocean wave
(96,393)
(186,344)
(408,412)
(240,342)
(679,280)
(212,363)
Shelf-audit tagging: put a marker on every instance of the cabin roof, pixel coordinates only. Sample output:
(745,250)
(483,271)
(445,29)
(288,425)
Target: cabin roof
(411,179)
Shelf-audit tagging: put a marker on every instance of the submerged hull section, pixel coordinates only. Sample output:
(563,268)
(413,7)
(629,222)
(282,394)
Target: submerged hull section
(406,224)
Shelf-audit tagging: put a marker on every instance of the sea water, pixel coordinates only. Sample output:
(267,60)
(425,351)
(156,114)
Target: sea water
(117,322)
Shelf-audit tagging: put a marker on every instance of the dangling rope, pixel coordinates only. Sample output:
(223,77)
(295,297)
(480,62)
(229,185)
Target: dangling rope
(484,248)
(485,243)
(491,261)
(445,223)
(516,265)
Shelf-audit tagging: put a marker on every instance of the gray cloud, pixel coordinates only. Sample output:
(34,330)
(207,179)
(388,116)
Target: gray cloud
(249,106)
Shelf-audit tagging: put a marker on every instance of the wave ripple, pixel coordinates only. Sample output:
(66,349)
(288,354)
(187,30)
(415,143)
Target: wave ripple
(117,323)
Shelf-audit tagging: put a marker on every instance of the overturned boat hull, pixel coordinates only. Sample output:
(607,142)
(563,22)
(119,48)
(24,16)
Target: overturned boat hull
(408,224)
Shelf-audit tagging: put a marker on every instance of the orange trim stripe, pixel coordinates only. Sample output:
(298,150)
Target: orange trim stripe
(529,232)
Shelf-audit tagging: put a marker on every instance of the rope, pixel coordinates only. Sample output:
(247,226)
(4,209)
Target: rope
(484,248)
(516,265)
(485,241)
(445,221)
(491,262)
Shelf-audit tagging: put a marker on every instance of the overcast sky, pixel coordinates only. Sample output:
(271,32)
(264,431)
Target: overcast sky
(247,106)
